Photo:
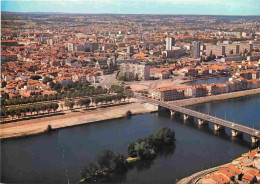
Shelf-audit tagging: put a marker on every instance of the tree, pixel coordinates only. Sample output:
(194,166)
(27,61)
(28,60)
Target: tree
(57,86)
(128,114)
(46,80)
(86,102)
(131,149)
(49,128)
(129,93)
(54,106)
(3,112)
(35,77)
(31,109)
(23,110)
(80,103)
(89,170)
(27,109)
(165,135)
(50,97)
(69,104)
(105,159)
(120,163)
(12,111)
(106,99)
(147,148)
(52,84)
(96,100)
(116,89)
(44,107)
(66,104)
(38,108)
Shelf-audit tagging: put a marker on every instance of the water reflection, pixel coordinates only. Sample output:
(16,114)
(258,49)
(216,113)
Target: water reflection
(208,128)
(142,165)
(216,80)
(39,159)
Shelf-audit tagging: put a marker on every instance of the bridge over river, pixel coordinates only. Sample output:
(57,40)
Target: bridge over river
(236,129)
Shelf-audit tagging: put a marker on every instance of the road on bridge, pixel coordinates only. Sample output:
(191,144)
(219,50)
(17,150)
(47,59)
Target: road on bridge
(205,117)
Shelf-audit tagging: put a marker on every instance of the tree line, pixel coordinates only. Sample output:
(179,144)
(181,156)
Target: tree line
(106,162)
(76,90)
(147,148)
(72,93)
(109,98)
(32,99)
(96,100)
(24,110)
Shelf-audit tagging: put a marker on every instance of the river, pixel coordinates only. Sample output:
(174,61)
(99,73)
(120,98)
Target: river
(216,80)
(57,157)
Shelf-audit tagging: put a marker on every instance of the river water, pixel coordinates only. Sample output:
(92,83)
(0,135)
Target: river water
(217,80)
(57,157)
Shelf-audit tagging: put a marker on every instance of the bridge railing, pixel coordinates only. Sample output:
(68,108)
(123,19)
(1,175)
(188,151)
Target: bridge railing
(205,117)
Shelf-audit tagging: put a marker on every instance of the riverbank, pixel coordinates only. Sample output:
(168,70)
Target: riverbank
(196,176)
(80,144)
(244,168)
(37,126)
(225,96)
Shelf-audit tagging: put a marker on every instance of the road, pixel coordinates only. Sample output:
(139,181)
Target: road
(233,126)
(195,177)
(107,81)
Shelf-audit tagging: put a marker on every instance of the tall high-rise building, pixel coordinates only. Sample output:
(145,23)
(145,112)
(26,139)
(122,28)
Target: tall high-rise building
(170,42)
(196,49)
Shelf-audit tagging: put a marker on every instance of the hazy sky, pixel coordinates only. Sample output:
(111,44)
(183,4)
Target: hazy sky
(209,7)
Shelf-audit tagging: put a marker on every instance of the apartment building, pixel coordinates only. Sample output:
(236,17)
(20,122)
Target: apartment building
(196,49)
(227,49)
(141,70)
(250,75)
(170,42)
(168,94)
(215,89)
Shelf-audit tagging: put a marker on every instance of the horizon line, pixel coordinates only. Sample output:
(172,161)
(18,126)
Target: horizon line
(128,13)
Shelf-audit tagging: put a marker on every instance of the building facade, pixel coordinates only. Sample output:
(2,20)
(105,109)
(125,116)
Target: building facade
(196,49)
(168,94)
(170,42)
(141,70)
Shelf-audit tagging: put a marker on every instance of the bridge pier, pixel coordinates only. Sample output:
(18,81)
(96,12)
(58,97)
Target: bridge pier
(172,112)
(161,108)
(202,122)
(218,127)
(236,133)
(254,139)
(186,117)
(189,114)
